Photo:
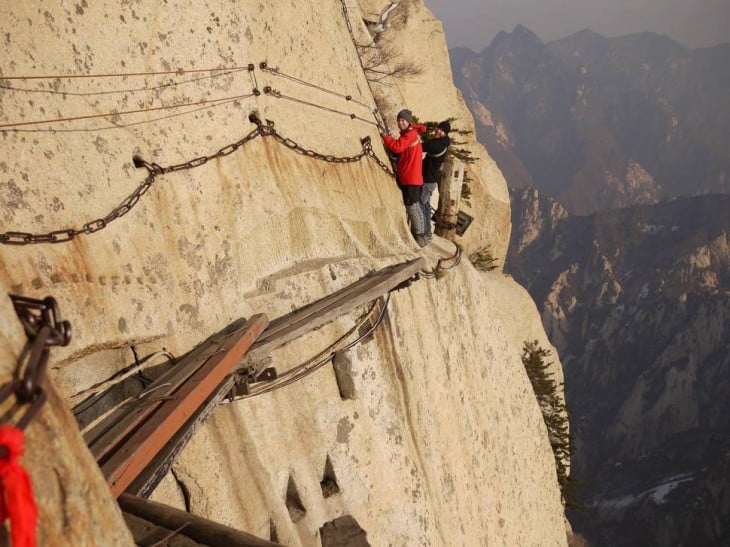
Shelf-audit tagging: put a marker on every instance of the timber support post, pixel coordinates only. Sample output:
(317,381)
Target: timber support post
(452,179)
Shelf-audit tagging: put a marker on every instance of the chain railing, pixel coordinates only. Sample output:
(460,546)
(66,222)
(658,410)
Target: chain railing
(44,328)
(154,170)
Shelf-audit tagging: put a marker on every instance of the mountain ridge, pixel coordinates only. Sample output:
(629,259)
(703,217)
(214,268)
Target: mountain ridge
(602,122)
(637,302)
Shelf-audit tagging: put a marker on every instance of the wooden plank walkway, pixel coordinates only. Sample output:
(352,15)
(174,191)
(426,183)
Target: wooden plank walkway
(312,316)
(137,444)
(138,438)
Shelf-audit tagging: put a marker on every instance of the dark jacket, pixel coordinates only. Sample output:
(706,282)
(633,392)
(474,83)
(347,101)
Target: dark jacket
(408,148)
(435,150)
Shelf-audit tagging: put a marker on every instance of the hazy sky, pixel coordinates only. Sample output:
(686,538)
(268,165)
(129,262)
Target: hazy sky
(694,23)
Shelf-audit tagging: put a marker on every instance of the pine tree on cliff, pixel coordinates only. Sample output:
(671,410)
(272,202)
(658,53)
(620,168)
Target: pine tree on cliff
(555,413)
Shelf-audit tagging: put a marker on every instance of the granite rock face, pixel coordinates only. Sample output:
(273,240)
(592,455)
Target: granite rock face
(443,442)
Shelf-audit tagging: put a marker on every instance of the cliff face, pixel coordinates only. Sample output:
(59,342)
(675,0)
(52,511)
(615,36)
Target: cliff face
(444,442)
(636,301)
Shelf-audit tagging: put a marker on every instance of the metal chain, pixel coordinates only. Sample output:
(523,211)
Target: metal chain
(155,169)
(44,328)
(368,145)
(268,130)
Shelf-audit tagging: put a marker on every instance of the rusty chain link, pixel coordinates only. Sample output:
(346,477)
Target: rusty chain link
(44,328)
(154,170)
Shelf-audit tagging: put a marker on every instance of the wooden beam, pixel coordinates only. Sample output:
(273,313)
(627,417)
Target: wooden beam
(148,479)
(105,436)
(197,528)
(289,327)
(138,449)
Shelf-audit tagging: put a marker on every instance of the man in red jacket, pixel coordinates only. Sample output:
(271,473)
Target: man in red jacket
(409,174)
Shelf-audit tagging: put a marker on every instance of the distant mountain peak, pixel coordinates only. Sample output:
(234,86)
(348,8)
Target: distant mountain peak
(520,36)
(521,30)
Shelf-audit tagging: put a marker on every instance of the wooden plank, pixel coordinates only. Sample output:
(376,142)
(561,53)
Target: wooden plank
(396,272)
(155,471)
(103,438)
(329,308)
(139,448)
(197,528)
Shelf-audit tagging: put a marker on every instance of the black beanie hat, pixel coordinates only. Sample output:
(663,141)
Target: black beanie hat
(445,126)
(406,114)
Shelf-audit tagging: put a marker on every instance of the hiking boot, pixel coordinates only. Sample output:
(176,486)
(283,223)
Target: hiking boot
(422,241)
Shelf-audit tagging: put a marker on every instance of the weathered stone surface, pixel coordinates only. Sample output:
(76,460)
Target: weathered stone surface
(445,443)
(342,532)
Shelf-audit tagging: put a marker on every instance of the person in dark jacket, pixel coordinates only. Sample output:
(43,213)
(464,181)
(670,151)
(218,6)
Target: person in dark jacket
(434,154)
(409,171)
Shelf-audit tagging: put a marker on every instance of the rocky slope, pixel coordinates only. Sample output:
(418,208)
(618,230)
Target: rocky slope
(444,443)
(599,123)
(637,302)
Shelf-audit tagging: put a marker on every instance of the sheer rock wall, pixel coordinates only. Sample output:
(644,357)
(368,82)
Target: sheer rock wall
(444,443)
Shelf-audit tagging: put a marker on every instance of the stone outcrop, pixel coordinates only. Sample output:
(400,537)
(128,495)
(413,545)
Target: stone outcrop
(443,442)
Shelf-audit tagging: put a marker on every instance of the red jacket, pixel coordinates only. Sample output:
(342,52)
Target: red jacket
(410,156)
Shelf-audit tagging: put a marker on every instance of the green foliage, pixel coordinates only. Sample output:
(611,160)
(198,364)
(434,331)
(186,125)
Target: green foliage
(483,260)
(556,416)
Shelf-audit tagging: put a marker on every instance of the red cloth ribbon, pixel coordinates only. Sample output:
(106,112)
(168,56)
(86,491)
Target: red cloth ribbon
(16,492)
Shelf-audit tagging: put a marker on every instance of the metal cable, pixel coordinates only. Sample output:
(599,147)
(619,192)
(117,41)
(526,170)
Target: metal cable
(124,74)
(276,72)
(315,363)
(114,91)
(123,113)
(274,93)
(121,375)
(440,268)
(120,125)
